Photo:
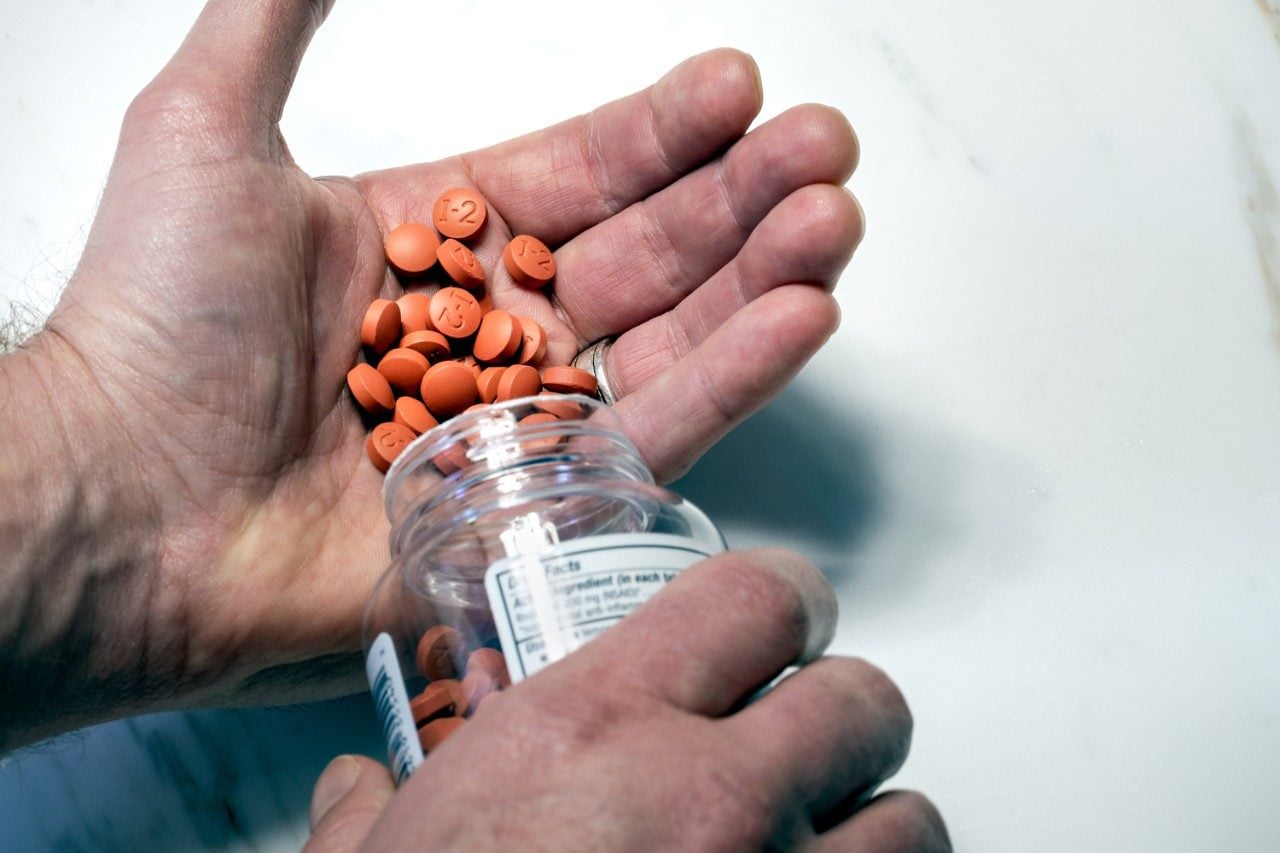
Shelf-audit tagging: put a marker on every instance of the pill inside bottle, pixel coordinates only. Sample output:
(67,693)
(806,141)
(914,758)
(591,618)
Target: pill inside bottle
(521,530)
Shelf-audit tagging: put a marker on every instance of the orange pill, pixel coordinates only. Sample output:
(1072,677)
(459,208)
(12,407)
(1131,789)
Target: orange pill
(499,337)
(518,380)
(565,410)
(371,389)
(533,344)
(412,413)
(415,313)
(381,326)
(459,698)
(436,700)
(404,369)
(411,248)
(459,212)
(529,261)
(386,442)
(569,380)
(448,388)
(438,652)
(486,300)
(455,313)
(476,685)
(461,264)
(488,383)
(454,458)
(537,419)
(470,363)
(492,662)
(433,345)
(438,731)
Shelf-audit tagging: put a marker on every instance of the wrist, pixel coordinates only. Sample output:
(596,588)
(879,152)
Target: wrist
(78,544)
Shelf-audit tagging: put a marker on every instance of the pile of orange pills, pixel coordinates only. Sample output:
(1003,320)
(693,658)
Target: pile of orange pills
(440,350)
(447,700)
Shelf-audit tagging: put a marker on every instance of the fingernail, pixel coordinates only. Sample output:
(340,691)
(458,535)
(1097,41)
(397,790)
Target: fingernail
(334,784)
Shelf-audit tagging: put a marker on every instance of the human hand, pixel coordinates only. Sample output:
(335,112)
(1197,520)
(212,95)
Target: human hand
(640,741)
(214,314)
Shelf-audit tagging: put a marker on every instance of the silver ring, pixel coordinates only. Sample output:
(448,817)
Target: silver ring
(591,360)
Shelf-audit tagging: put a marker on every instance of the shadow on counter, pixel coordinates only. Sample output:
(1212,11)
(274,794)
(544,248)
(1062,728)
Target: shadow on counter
(798,474)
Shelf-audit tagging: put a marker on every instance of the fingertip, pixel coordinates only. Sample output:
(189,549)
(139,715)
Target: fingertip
(826,134)
(810,236)
(817,598)
(704,104)
(349,797)
(859,230)
(335,782)
(739,71)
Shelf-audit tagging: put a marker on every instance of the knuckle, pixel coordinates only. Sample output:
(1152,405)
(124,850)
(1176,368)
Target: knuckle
(736,810)
(162,106)
(559,725)
(177,112)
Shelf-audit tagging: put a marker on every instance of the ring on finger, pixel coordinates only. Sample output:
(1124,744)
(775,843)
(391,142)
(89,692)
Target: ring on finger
(591,360)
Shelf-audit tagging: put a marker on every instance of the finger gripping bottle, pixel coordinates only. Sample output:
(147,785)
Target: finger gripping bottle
(520,531)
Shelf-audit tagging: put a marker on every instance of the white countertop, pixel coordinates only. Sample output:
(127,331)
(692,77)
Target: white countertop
(1040,460)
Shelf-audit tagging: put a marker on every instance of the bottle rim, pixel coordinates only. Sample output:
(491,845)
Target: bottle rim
(491,440)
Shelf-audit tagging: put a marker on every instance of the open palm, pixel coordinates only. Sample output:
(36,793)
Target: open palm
(218,301)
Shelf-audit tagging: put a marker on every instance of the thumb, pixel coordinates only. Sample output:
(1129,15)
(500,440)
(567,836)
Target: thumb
(349,796)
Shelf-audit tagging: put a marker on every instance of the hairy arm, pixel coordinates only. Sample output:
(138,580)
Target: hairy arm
(76,535)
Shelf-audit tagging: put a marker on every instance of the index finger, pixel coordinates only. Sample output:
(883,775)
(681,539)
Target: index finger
(716,633)
(558,181)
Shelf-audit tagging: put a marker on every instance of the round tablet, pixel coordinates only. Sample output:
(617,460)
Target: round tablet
(455,313)
(433,345)
(411,412)
(533,344)
(554,404)
(381,326)
(453,458)
(492,662)
(518,380)
(569,380)
(537,419)
(404,369)
(529,261)
(438,652)
(436,700)
(476,685)
(459,212)
(411,248)
(488,383)
(438,731)
(499,336)
(448,388)
(386,442)
(415,313)
(461,264)
(371,389)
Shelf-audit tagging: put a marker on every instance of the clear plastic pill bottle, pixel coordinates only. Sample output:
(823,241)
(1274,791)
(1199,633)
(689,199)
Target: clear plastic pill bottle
(520,530)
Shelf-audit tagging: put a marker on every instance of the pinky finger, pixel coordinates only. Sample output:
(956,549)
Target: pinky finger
(676,415)
(893,822)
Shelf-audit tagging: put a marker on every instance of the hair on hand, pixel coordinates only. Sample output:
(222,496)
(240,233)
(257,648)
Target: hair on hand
(18,323)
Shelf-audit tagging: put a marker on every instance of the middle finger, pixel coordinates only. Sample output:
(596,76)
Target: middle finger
(648,257)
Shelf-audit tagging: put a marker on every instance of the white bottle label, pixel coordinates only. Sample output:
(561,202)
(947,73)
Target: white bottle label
(386,682)
(547,604)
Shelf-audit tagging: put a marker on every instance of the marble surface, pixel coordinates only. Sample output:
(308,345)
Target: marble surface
(1040,461)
